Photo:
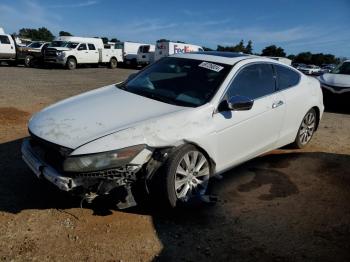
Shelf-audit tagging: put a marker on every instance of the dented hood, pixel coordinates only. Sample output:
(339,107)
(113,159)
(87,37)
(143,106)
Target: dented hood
(92,115)
(335,80)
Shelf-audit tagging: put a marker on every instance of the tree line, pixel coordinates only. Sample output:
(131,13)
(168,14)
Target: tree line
(43,34)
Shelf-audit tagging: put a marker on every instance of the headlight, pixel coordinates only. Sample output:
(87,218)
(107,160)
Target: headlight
(60,53)
(100,161)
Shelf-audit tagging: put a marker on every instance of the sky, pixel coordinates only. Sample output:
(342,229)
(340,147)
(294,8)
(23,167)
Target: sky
(295,25)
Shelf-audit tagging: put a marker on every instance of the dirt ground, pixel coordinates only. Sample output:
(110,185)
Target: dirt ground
(284,206)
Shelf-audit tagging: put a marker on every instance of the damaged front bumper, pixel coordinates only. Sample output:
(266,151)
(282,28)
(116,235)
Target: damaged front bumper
(43,170)
(91,183)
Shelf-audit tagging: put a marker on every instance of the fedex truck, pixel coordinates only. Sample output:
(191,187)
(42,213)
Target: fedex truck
(169,48)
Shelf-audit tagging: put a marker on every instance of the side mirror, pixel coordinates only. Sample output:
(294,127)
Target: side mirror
(236,103)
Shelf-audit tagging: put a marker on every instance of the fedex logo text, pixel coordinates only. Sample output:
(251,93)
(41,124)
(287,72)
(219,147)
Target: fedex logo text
(179,50)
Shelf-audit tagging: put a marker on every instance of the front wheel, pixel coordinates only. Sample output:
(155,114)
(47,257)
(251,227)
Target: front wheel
(186,175)
(306,130)
(28,61)
(71,63)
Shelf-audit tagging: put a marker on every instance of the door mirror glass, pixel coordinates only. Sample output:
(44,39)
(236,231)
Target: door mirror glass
(236,103)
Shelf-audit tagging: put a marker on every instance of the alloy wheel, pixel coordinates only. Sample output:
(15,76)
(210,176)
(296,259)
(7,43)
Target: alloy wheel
(192,175)
(307,128)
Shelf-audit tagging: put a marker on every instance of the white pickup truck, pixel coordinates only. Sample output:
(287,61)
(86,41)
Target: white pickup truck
(70,51)
(7,48)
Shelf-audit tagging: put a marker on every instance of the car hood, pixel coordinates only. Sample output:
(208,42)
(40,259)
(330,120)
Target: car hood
(92,115)
(335,80)
(60,48)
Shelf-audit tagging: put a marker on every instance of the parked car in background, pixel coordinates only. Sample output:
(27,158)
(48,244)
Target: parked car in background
(327,68)
(129,51)
(70,51)
(338,80)
(173,126)
(310,69)
(167,48)
(298,65)
(33,54)
(145,55)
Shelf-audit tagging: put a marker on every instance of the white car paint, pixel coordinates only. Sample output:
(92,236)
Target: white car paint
(108,119)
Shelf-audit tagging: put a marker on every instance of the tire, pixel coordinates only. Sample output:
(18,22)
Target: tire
(71,63)
(306,130)
(113,63)
(28,61)
(184,176)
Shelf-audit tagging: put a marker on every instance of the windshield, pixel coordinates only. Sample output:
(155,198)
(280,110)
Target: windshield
(179,81)
(64,44)
(343,68)
(35,45)
(58,44)
(72,45)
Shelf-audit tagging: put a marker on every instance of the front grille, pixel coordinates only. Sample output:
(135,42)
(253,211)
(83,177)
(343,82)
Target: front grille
(50,52)
(50,153)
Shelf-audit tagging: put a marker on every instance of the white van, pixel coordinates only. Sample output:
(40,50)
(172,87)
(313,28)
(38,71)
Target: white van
(170,48)
(70,51)
(129,51)
(145,55)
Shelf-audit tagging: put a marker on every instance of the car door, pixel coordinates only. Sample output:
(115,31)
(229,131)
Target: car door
(83,54)
(7,49)
(245,134)
(288,86)
(93,54)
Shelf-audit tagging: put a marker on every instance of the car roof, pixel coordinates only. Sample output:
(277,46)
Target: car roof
(229,58)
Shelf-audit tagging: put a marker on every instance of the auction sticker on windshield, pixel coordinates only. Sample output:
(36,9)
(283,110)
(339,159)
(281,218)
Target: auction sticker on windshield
(211,66)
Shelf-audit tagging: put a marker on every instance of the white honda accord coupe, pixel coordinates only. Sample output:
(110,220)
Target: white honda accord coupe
(172,126)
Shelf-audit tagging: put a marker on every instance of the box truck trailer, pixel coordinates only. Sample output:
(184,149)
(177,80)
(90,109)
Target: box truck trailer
(166,48)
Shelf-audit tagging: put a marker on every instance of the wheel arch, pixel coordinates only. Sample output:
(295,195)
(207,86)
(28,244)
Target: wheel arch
(207,155)
(72,56)
(318,116)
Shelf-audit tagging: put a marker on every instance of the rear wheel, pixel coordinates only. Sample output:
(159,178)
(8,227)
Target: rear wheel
(306,130)
(113,63)
(186,176)
(71,63)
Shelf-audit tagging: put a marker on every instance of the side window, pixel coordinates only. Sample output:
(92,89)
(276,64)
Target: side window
(91,47)
(286,77)
(82,47)
(4,39)
(253,81)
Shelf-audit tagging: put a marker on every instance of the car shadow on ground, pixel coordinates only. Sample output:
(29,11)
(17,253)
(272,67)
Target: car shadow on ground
(266,208)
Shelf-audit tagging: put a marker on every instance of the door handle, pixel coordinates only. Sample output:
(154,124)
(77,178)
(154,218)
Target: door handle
(277,104)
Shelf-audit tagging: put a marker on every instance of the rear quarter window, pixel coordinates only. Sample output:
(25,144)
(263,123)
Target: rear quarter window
(286,77)
(91,47)
(4,39)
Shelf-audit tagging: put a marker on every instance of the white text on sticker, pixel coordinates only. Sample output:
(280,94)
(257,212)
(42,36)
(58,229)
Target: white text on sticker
(211,66)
